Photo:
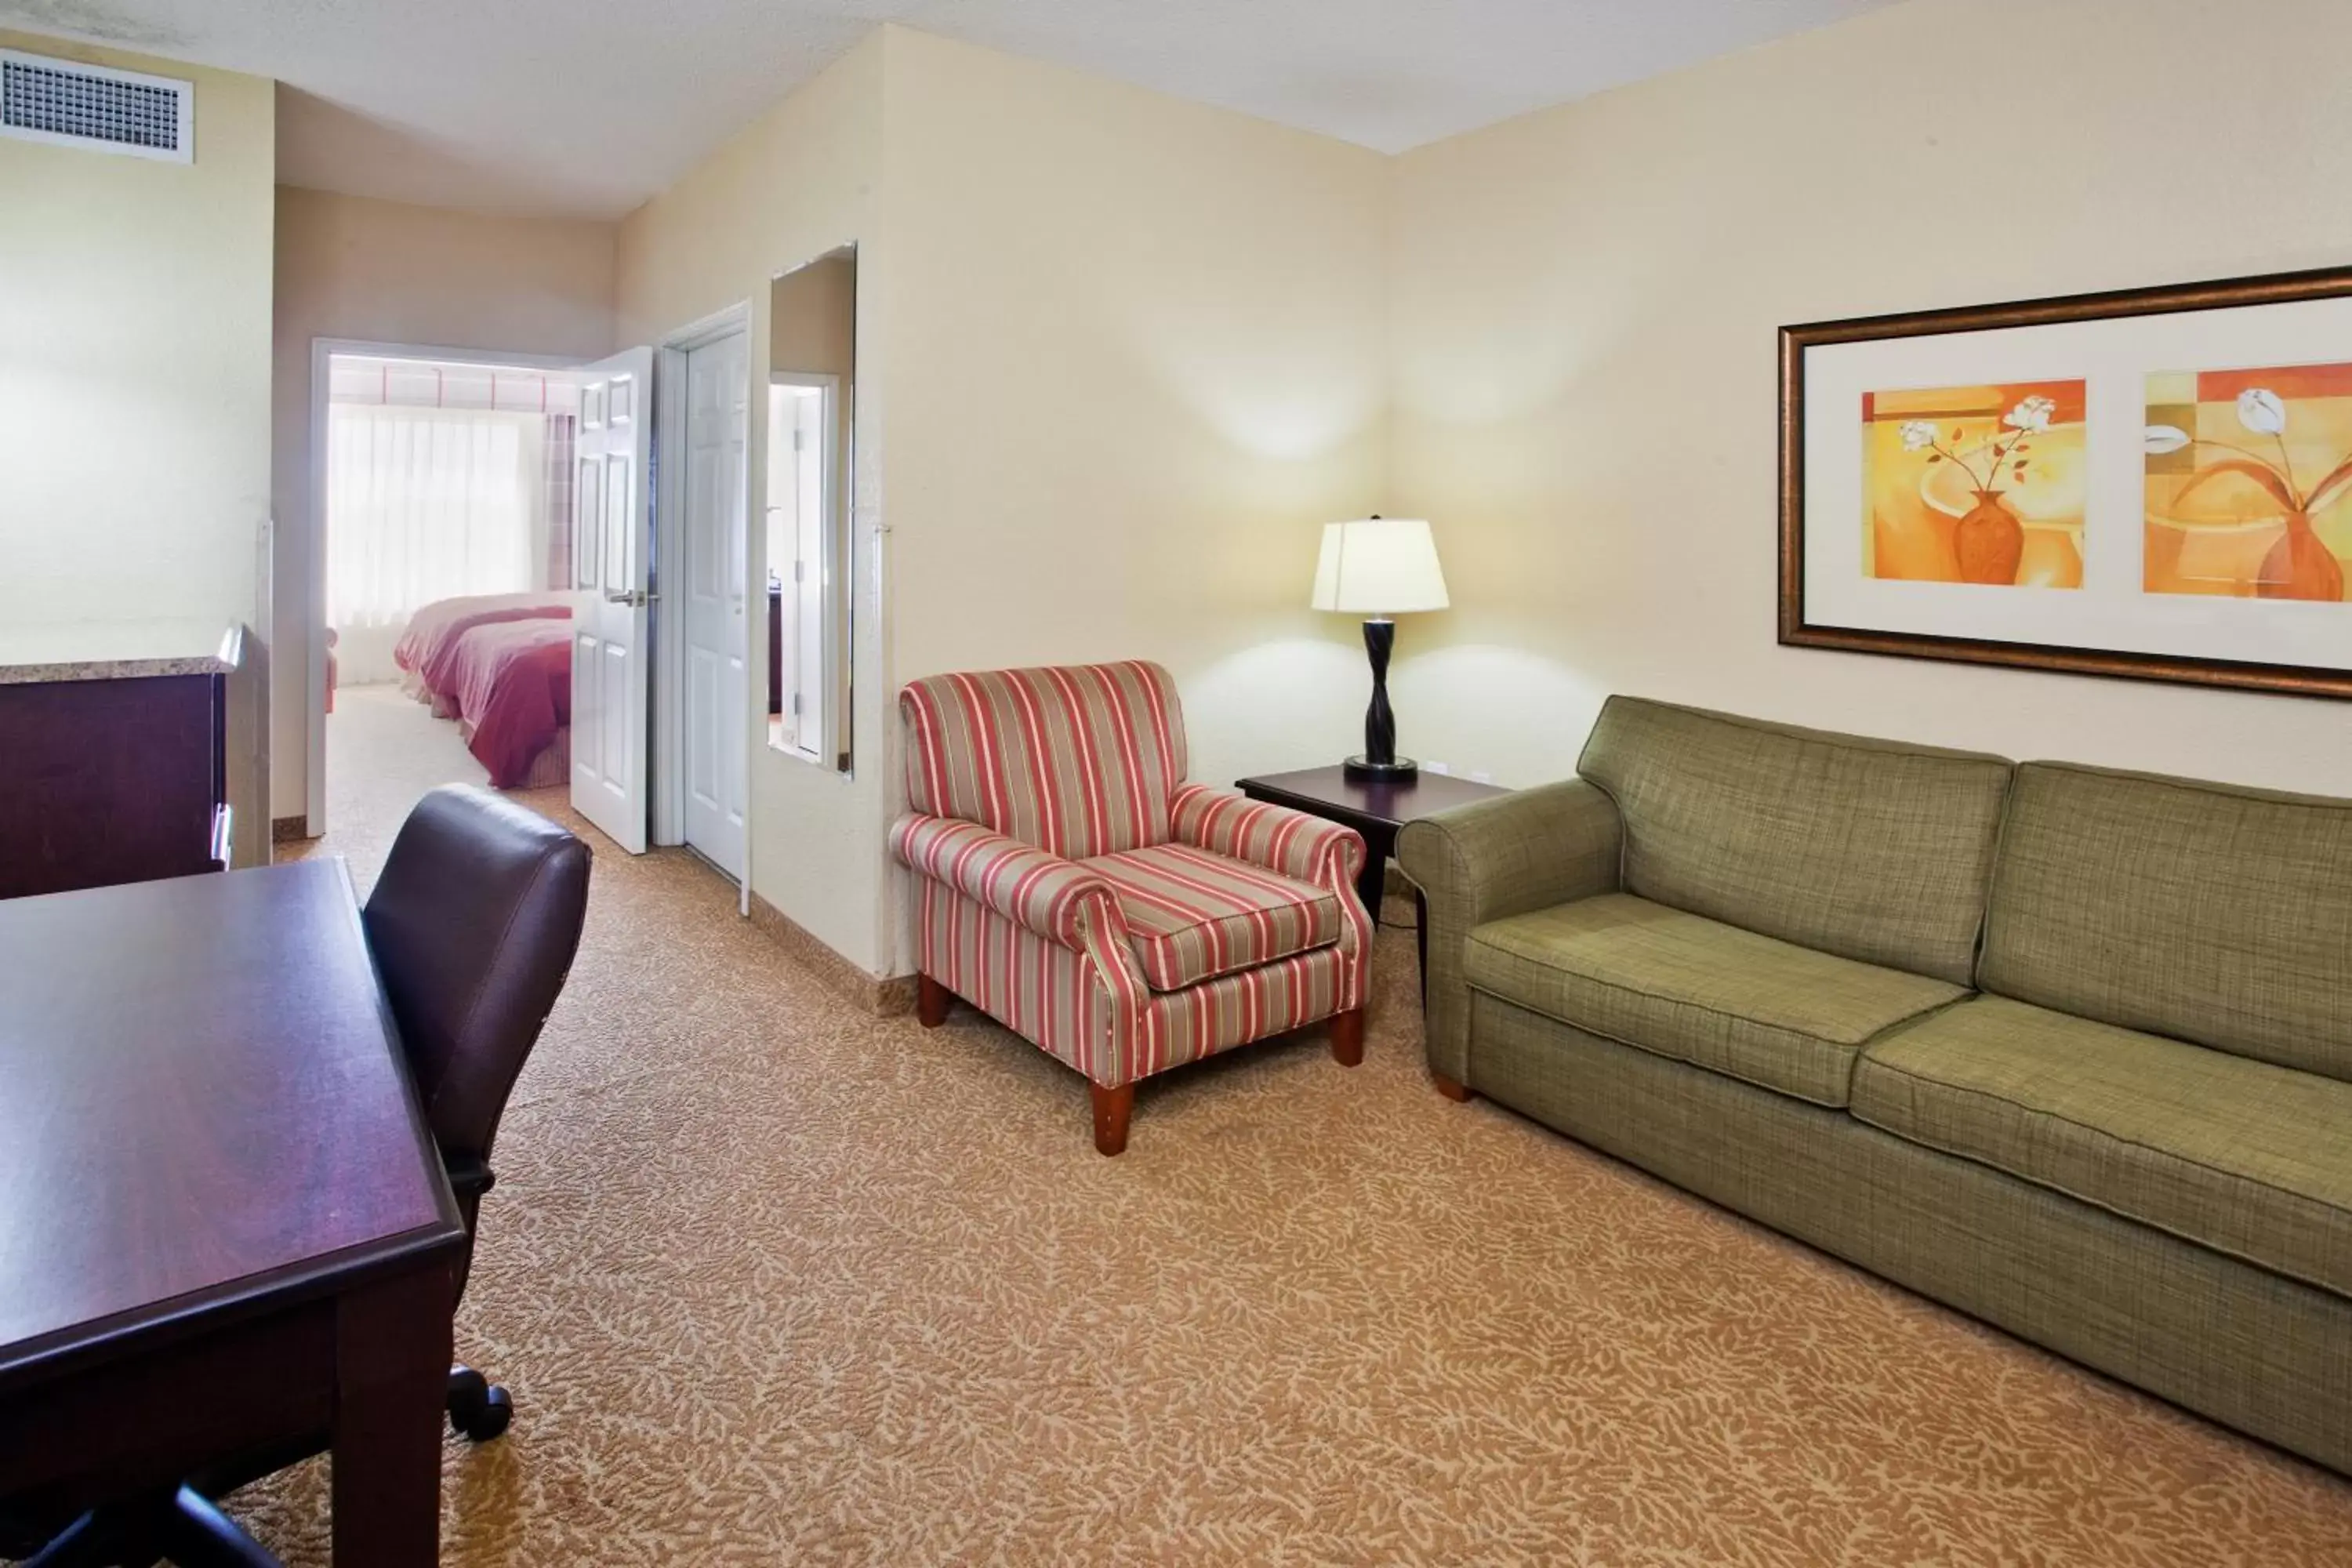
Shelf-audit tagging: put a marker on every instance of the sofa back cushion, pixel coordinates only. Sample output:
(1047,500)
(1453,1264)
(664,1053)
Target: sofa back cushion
(1868,849)
(1079,760)
(2218,915)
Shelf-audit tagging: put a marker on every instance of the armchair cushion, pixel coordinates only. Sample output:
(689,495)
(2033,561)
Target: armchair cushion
(1040,892)
(1193,914)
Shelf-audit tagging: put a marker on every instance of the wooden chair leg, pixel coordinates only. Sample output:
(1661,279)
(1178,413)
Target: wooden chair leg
(1347,1038)
(1113,1107)
(1449,1088)
(931,1000)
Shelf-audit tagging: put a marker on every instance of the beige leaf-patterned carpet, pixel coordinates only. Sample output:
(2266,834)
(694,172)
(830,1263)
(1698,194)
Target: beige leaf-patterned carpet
(776,1283)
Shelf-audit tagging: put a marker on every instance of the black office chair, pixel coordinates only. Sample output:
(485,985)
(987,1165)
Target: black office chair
(473,924)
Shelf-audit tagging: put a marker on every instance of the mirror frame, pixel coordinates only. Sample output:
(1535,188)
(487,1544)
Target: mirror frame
(838,595)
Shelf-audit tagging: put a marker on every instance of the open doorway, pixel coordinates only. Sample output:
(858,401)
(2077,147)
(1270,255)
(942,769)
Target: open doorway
(445,540)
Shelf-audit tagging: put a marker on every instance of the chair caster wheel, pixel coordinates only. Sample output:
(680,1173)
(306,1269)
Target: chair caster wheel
(479,1409)
(491,1421)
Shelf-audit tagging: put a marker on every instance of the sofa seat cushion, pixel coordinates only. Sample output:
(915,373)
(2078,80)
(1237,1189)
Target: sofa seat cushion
(1193,914)
(1780,1016)
(2239,1155)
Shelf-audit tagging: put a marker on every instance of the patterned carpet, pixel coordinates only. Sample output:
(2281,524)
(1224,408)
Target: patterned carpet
(776,1282)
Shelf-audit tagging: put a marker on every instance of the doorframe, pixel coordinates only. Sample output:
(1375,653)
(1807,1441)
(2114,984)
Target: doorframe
(671,412)
(313,531)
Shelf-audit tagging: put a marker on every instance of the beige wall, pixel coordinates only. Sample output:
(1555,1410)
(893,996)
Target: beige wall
(385,272)
(812,325)
(1143,359)
(796,183)
(1585,307)
(134,364)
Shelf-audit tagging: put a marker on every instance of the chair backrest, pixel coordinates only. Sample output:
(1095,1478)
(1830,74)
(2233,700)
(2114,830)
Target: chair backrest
(1078,760)
(473,923)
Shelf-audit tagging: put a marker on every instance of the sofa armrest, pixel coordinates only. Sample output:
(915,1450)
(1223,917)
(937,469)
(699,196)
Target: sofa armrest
(1037,890)
(1525,851)
(1264,834)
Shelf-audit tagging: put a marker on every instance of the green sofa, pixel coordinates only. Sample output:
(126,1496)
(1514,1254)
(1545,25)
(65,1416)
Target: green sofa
(2066,1049)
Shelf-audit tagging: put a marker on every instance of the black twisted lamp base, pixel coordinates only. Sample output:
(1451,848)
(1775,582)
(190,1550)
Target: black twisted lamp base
(1379,761)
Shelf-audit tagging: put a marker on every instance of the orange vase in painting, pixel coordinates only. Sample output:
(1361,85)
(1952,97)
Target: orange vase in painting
(1989,542)
(2300,566)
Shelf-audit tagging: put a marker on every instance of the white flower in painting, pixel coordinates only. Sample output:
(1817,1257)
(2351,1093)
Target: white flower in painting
(2163,438)
(1917,434)
(2262,410)
(2033,414)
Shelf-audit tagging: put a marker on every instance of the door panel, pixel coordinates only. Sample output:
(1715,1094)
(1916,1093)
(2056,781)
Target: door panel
(718,693)
(610,619)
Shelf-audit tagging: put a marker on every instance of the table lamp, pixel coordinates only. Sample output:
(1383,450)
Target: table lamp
(1379,568)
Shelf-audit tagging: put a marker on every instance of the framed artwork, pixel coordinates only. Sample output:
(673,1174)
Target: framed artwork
(2156,482)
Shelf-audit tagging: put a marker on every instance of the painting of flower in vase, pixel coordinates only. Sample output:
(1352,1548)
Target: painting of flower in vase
(2248,471)
(1975,484)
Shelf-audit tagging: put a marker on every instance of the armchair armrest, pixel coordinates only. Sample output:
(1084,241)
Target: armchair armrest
(1521,852)
(1267,835)
(1037,889)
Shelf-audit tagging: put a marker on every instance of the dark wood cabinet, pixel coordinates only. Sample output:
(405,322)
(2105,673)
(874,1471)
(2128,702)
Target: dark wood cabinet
(119,778)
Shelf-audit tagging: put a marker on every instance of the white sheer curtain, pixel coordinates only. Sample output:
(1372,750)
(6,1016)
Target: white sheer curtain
(424,504)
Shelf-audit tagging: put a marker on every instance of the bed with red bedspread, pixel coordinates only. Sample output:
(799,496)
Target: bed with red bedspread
(511,685)
(427,650)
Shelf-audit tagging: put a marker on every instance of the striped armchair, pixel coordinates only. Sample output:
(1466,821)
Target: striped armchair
(1077,890)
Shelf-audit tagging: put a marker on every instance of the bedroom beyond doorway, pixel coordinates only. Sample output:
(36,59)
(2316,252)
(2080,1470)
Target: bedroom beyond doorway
(446,532)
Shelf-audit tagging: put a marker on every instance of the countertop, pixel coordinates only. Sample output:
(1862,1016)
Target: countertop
(116,651)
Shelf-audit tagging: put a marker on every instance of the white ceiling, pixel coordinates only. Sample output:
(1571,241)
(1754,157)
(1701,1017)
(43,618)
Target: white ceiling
(587,107)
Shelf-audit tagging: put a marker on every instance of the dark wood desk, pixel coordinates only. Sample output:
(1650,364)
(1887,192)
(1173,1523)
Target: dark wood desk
(223,1223)
(1378,811)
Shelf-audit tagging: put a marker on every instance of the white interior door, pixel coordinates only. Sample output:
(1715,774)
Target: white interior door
(612,559)
(718,709)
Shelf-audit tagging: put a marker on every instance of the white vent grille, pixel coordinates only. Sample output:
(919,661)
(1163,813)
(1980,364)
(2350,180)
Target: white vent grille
(75,105)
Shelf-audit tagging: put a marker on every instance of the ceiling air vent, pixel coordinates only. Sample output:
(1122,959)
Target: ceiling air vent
(75,105)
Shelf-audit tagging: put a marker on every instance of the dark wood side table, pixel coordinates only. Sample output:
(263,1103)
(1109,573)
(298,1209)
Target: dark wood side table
(1378,811)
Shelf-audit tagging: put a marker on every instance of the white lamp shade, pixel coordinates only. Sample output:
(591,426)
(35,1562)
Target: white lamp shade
(1379,566)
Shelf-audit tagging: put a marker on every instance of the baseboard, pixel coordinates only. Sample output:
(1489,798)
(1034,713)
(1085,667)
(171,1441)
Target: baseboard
(289,829)
(884,998)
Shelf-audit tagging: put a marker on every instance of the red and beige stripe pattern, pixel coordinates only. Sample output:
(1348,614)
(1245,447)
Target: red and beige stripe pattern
(1304,847)
(1214,920)
(1043,893)
(1090,1007)
(1193,914)
(1079,760)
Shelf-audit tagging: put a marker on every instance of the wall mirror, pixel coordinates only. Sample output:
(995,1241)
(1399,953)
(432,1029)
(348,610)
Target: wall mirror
(811,380)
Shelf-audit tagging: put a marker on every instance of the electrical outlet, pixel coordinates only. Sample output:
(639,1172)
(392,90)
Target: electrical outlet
(1437,767)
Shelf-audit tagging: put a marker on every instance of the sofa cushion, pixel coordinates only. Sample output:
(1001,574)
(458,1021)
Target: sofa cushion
(2211,913)
(1193,914)
(1780,1016)
(2240,1156)
(1868,849)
